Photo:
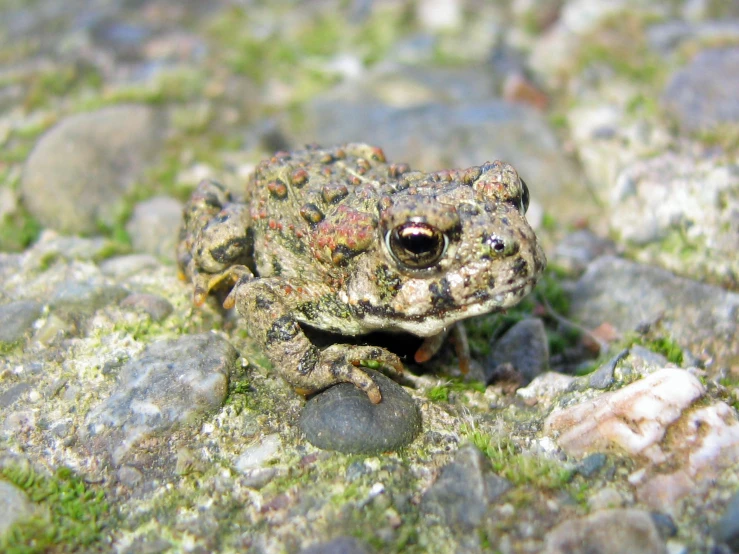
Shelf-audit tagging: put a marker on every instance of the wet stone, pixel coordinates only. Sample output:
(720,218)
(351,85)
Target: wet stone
(16,319)
(342,418)
(173,382)
(465,490)
(525,347)
(702,95)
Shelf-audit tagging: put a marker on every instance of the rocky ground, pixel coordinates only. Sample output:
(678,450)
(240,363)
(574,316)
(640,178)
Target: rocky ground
(602,414)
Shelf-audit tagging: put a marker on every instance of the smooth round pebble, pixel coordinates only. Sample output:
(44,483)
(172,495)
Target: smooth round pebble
(342,418)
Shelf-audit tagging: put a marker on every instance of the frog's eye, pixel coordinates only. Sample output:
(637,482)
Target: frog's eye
(416,245)
(524,197)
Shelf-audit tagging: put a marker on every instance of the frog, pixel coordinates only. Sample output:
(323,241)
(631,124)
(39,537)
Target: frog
(341,240)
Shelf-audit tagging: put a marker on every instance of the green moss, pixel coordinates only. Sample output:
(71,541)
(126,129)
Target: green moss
(516,466)
(73,518)
(18,230)
(440,393)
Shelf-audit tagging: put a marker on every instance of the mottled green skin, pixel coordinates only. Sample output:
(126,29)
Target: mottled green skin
(307,245)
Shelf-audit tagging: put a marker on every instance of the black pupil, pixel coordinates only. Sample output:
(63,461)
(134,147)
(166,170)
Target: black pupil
(418,241)
(498,245)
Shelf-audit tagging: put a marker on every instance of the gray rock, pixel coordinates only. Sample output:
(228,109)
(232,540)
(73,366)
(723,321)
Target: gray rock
(83,298)
(173,382)
(602,378)
(606,532)
(341,545)
(12,394)
(665,524)
(342,418)
(665,37)
(155,225)
(591,464)
(727,529)
(81,168)
(437,136)
(627,295)
(16,319)
(576,250)
(14,506)
(465,490)
(125,266)
(156,307)
(703,95)
(525,347)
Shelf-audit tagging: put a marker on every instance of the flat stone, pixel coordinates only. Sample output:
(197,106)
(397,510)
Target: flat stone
(465,490)
(700,318)
(16,318)
(173,382)
(342,418)
(634,418)
(606,532)
(702,95)
(156,307)
(83,298)
(81,168)
(14,506)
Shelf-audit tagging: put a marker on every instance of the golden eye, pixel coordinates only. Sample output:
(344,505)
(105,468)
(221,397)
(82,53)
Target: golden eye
(416,245)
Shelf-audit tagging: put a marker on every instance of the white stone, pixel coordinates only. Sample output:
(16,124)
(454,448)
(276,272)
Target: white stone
(546,385)
(259,454)
(634,418)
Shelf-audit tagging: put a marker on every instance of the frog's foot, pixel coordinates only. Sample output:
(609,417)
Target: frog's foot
(206,282)
(432,344)
(340,363)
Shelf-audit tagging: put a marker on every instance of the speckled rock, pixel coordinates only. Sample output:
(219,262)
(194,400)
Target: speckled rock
(700,318)
(702,95)
(14,506)
(524,348)
(16,319)
(154,226)
(172,382)
(607,532)
(465,490)
(634,418)
(342,418)
(673,199)
(80,169)
(727,529)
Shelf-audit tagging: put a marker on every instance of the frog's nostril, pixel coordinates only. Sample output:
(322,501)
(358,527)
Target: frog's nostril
(501,246)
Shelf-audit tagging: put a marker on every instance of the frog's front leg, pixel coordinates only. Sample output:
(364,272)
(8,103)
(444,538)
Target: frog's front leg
(267,308)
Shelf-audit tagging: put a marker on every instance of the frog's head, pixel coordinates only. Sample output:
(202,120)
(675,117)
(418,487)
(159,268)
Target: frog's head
(452,245)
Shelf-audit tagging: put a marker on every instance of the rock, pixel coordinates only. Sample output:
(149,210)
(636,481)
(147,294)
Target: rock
(16,319)
(665,525)
(14,506)
(81,168)
(602,378)
(172,382)
(727,529)
(453,136)
(591,464)
(577,249)
(258,455)
(341,545)
(634,418)
(525,347)
(546,387)
(83,298)
(156,307)
(342,418)
(702,95)
(665,37)
(465,489)
(125,266)
(683,214)
(700,318)
(10,395)
(155,225)
(606,532)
